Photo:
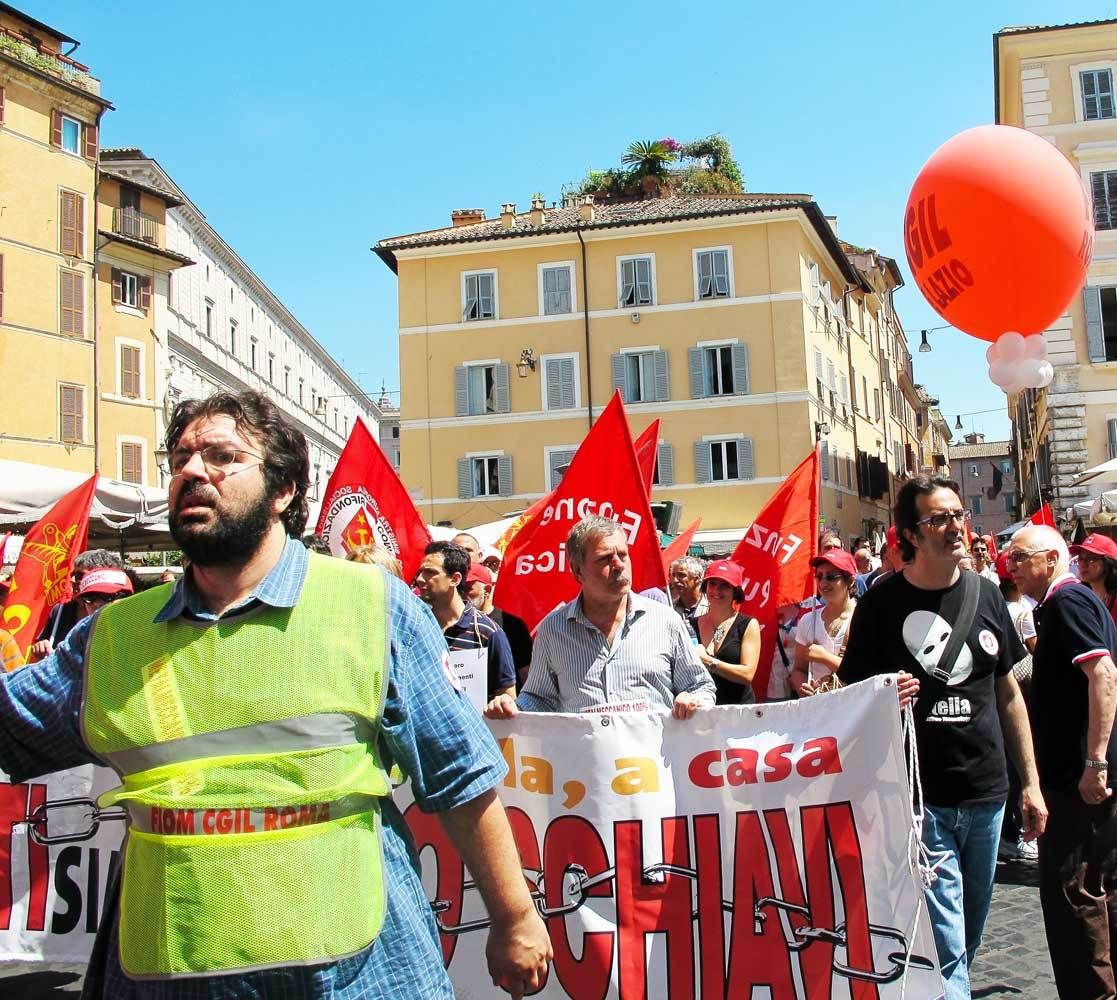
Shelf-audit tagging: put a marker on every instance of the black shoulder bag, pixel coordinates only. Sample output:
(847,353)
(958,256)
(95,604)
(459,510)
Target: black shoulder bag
(959,632)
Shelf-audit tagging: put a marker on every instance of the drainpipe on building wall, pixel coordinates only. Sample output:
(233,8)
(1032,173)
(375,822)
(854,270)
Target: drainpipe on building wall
(853,390)
(586,328)
(96,332)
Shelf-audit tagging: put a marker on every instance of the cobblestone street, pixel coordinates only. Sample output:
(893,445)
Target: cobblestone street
(1013,958)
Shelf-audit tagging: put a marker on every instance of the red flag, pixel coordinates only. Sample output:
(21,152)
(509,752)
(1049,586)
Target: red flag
(647,447)
(1043,516)
(680,545)
(365,502)
(42,574)
(603,478)
(776,553)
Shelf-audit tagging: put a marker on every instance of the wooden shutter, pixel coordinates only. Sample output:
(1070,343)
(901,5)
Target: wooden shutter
(662,381)
(501,400)
(117,285)
(1,105)
(72,224)
(616,371)
(465,478)
(72,301)
(130,371)
(1111,427)
(825,460)
(144,289)
(56,127)
(461,391)
(746,466)
(504,475)
(665,464)
(555,460)
(131,462)
(71,405)
(89,141)
(701,461)
(697,372)
(1095,335)
(740,355)
(558,374)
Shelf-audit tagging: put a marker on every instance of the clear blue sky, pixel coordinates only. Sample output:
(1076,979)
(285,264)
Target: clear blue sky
(307,132)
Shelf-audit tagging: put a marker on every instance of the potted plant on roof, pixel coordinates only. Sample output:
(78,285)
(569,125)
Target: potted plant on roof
(649,163)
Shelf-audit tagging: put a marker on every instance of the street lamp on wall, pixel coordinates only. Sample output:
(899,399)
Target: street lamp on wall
(821,429)
(526,362)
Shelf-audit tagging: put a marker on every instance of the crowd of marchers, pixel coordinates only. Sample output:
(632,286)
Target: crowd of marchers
(1006,664)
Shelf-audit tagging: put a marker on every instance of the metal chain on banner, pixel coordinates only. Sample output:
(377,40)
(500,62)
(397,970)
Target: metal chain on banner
(91,816)
(578,883)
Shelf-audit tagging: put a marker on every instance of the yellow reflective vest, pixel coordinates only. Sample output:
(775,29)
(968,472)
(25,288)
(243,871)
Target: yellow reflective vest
(247,753)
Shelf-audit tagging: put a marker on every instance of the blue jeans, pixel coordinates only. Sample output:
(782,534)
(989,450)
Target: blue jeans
(958,900)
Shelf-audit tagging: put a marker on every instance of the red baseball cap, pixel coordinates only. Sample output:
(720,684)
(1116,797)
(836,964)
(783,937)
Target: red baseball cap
(892,537)
(1095,544)
(726,571)
(1004,572)
(477,571)
(105,581)
(839,559)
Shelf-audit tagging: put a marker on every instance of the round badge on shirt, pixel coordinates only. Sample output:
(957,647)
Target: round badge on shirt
(988,642)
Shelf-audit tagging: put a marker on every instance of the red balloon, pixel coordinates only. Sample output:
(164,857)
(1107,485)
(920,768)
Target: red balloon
(998,231)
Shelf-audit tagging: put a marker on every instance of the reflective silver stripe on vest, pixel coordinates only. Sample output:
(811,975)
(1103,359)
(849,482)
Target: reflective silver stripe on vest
(260,819)
(305,732)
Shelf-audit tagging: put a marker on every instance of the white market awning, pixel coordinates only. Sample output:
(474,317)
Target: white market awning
(1108,470)
(122,514)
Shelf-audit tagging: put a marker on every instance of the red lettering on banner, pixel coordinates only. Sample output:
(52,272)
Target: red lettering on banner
(16,804)
(427,831)
(820,757)
(653,908)
(711,914)
(572,840)
(816,757)
(778,761)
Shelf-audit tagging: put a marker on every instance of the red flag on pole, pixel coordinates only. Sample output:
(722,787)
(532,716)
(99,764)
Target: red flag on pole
(46,561)
(1043,516)
(603,478)
(776,553)
(680,545)
(365,502)
(647,447)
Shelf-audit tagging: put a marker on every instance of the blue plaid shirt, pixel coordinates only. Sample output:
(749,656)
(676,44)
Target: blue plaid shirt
(428,728)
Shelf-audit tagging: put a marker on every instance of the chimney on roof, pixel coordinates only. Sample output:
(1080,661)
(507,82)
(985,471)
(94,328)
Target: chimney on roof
(974,438)
(833,220)
(538,216)
(585,208)
(508,215)
(467,216)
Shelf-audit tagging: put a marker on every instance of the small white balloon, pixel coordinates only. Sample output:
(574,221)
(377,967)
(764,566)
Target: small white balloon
(1010,346)
(1046,374)
(1028,373)
(1001,372)
(991,353)
(1035,346)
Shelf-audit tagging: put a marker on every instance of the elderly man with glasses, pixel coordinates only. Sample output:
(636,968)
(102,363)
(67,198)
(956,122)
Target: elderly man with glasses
(951,631)
(1073,697)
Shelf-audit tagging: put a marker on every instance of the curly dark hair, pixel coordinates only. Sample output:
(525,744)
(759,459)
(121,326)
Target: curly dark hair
(906,513)
(286,460)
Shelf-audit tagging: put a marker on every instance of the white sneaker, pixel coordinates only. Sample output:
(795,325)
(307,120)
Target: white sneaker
(1020,850)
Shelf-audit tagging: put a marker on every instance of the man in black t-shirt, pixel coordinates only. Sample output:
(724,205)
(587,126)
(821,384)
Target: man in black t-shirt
(904,623)
(1074,691)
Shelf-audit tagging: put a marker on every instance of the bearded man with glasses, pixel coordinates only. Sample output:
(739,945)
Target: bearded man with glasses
(952,632)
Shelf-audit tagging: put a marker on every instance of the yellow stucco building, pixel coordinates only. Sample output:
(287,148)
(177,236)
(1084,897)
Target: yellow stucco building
(84,271)
(1058,82)
(50,111)
(742,322)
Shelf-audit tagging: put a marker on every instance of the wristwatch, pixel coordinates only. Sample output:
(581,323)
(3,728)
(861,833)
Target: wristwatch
(1097,765)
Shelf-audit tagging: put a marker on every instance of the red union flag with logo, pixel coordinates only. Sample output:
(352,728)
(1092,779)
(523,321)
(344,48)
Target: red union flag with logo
(604,478)
(42,574)
(776,555)
(366,503)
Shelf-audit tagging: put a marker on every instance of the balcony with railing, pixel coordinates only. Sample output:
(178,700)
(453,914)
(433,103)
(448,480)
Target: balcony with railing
(38,56)
(131,222)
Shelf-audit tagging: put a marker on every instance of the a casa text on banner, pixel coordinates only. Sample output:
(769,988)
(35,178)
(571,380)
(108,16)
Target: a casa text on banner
(56,850)
(762,850)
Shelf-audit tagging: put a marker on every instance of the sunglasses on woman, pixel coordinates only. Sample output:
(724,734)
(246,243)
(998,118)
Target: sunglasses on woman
(828,577)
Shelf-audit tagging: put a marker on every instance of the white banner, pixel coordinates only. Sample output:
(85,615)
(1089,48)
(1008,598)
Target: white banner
(750,852)
(52,875)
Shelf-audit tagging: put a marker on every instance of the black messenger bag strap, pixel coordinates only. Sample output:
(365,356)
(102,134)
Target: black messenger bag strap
(971,591)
